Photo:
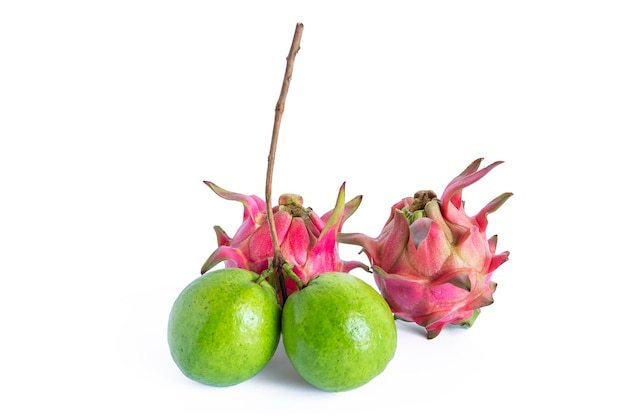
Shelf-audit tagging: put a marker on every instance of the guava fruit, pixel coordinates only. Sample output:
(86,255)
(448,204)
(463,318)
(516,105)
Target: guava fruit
(224,327)
(338,332)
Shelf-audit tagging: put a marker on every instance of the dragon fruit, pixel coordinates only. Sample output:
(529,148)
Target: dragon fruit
(432,262)
(308,242)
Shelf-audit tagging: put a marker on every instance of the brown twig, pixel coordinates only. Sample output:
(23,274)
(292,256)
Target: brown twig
(280,108)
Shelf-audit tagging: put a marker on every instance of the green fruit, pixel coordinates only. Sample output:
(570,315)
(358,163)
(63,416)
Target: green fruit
(224,327)
(338,332)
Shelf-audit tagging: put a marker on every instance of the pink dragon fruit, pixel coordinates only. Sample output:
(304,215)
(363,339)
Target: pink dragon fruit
(432,262)
(308,242)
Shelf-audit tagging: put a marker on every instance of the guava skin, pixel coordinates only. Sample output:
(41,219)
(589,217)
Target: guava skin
(224,327)
(338,332)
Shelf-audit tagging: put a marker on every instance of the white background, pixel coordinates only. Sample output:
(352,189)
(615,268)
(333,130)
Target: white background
(113,113)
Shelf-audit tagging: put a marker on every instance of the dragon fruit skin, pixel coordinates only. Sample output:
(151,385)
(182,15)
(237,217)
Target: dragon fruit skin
(432,262)
(308,242)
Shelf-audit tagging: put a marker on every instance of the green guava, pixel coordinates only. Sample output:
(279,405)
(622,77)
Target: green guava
(224,327)
(338,332)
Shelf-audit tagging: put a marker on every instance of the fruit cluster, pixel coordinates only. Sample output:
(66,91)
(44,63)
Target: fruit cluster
(432,263)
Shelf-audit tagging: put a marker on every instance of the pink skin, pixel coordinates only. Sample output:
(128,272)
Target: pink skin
(436,270)
(308,243)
